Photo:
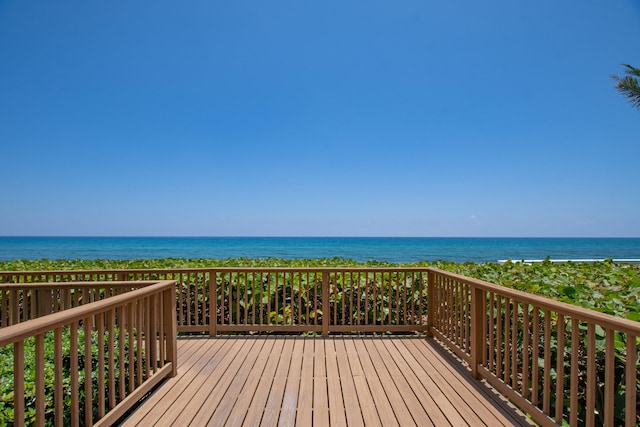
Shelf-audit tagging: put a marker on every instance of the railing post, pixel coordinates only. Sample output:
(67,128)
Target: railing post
(213,303)
(43,301)
(477,339)
(431,302)
(326,307)
(171,327)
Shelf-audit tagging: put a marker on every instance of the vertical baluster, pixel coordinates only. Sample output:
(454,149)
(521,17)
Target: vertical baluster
(609,381)
(535,369)
(238,284)
(111,314)
(303,286)
(442,306)
(560,370)
(153,327)
(404,297)
(631,378)
(457,312)
(374,304)
(492,332)
(15,307)
(75,382)
(526,337)
(253,297)
(352,310)
(4,308)
(101,371)
(326,310)
(131,354)
(591,375)
(575,372)
(389,294)
(162,357)
(467,321)
(58,403)
(198,297)
(507,339)
(122,327)
(463,311)
(359,299)
(245,308)
(546,405)
(343,295)
(147,331)
(139,333)
(275,296)
(452,311)
(88,368)
(181,298)
(315,297)
(398,298)
(184,277)
(261,303)
(18,382)
(515,325)
(40,380)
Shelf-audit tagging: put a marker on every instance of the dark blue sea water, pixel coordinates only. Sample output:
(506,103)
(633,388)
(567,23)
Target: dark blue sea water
(391,249)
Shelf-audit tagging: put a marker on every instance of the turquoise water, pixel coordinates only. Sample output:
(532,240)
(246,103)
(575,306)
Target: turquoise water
(393,249)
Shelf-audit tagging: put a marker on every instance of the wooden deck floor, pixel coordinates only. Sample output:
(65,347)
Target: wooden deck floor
(321,381)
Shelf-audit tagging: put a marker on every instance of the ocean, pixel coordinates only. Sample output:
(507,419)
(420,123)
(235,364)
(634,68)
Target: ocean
(391,249)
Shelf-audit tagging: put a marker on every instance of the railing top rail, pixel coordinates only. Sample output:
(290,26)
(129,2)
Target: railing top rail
(585,314)
(76,285)
(323,269)
(221,269)
(18,332)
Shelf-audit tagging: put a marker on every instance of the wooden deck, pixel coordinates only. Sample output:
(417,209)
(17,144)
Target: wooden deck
(341,380)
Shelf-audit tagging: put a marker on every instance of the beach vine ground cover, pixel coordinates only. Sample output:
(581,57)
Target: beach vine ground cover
(604,286)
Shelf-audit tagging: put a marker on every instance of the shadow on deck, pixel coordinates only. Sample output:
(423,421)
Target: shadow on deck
(338,380)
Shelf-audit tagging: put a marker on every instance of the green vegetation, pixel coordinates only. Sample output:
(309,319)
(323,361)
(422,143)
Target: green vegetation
(603,286)
(6,376)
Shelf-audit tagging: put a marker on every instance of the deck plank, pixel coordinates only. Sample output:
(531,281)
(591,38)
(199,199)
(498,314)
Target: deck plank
(320,396)
(252,393)
(365,398)
(256,358)
(389,357)
(337,415)
(339,380)
(435,403)
(195,396)
(304,415)
(193,372)
(290,398)
(264,409)
(380,397)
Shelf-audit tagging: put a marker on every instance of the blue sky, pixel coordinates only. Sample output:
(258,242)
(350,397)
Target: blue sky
(307,118)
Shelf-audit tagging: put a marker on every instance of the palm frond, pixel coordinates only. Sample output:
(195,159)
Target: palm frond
(631,71)
(629,86)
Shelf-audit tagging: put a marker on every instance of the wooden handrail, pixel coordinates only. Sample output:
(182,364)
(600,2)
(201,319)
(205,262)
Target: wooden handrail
(503,333)
(603,319)
(77,285)
(140,326)
(14,333)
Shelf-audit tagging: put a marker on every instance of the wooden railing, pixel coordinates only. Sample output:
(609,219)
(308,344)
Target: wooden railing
(124,344)
(558,362)
(31,300)
(554,360)
(319,300)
